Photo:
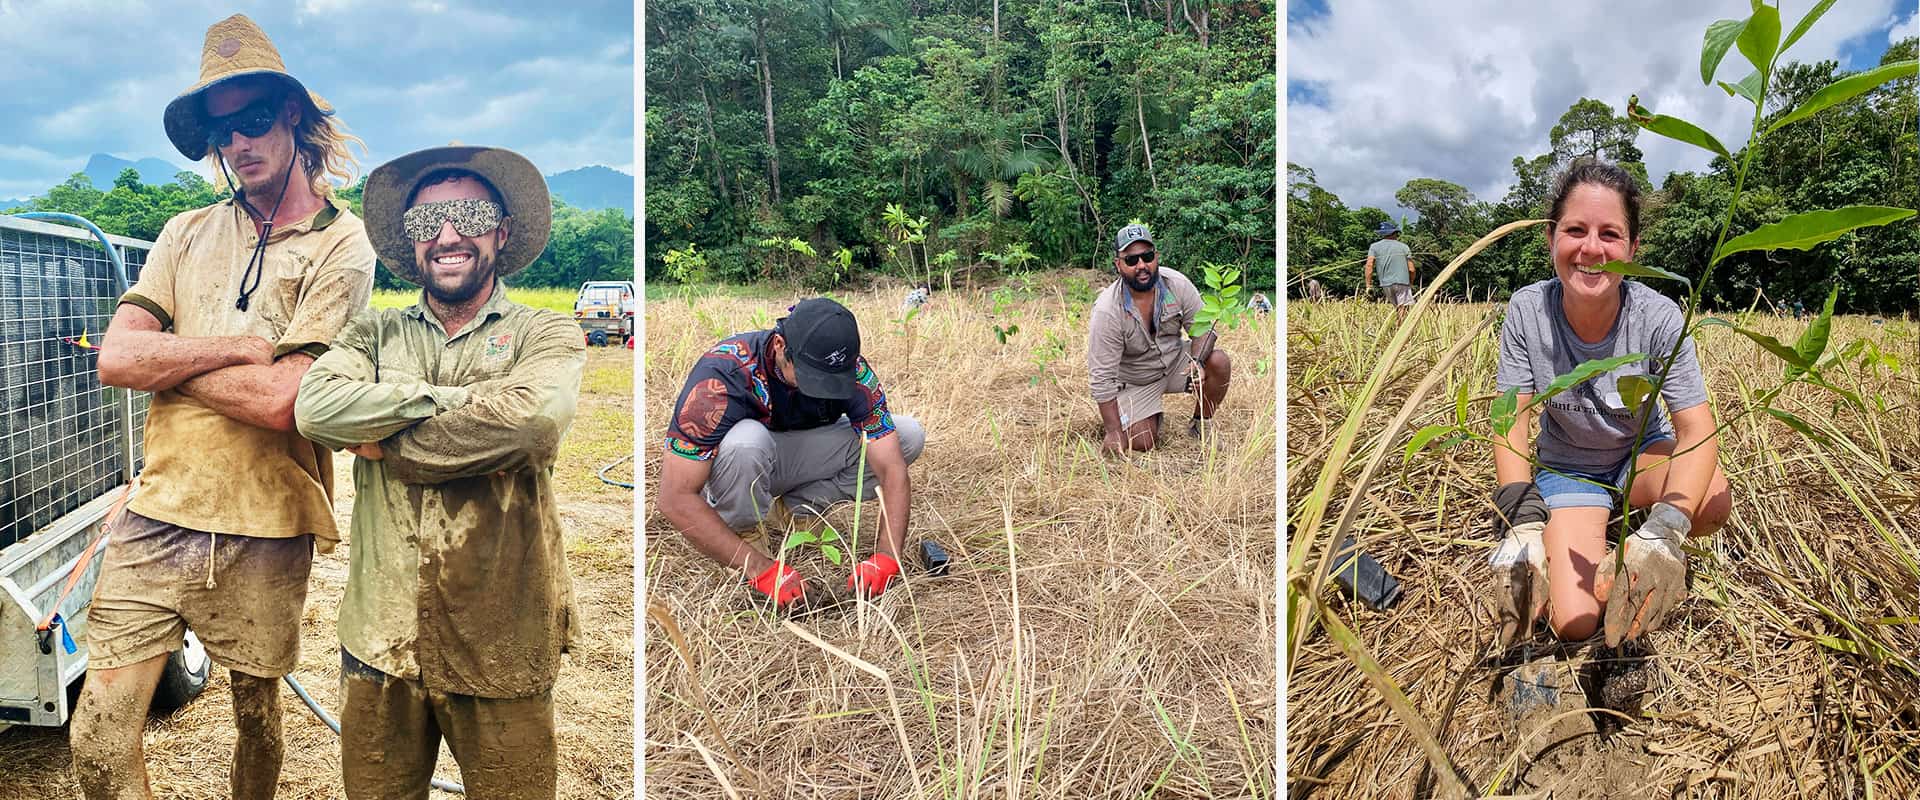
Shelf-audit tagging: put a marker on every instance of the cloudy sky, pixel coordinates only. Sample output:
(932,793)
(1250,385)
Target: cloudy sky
(1380,92)
(551,80)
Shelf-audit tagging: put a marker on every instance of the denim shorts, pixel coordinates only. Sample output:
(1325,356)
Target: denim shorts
(1563,489)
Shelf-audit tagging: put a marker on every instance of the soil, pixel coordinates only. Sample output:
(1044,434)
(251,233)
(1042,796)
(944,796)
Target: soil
(189,753)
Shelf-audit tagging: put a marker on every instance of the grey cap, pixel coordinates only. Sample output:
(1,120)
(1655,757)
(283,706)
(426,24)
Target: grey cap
(1130,234)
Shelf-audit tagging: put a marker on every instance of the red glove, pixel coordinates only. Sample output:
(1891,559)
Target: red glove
(872,575)
(780,582)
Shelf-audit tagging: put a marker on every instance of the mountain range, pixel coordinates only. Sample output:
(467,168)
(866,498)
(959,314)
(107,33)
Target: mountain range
(590,188)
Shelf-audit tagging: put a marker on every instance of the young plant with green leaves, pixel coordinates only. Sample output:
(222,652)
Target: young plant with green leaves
(1222,300)
(1758,39)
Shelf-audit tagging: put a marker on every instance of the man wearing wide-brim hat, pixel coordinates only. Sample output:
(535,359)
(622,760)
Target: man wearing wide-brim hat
(1392,261)
(458,603)
(234,303)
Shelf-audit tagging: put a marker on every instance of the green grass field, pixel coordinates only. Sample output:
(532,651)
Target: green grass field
(557,299)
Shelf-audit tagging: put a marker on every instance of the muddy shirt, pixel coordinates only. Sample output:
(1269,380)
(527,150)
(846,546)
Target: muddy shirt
(208,472)
(734,381)
(1588,427)
(1124,350)
(458,574)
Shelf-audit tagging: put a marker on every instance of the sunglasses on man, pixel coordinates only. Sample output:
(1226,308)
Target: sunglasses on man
(1133,260)
(470,217)
(252,122)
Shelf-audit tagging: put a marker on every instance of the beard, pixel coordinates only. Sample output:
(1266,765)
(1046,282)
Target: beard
(1152,279)
(464,288)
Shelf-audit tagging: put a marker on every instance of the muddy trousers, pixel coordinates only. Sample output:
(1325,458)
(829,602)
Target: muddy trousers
(812,468)
(390,732)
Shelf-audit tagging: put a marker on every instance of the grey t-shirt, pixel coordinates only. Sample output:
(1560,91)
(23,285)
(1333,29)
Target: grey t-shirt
(1389,261)
(1588,427)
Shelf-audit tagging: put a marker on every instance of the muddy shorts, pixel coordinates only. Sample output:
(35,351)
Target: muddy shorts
(390,732)
(1399,294)
(241,595)
(1141,402)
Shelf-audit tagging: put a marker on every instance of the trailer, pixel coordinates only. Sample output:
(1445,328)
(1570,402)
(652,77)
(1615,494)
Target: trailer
(68,447)
(604,310)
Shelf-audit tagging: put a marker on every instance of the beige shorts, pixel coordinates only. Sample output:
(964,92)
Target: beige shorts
(1399,294)
(391,728)
(153,587)
(1144,401)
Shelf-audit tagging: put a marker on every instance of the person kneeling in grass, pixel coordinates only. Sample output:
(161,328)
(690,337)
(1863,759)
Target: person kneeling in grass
(1137,351)
(782,413)
(1554,519)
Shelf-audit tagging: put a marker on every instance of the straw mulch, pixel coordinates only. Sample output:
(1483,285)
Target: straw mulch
(188,752)
(1106,629)
(1789,672)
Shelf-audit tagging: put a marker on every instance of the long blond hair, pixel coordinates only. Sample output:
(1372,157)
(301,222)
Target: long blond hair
(321,141)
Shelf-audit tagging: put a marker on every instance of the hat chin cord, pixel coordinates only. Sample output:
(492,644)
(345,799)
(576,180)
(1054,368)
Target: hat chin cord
(259,256)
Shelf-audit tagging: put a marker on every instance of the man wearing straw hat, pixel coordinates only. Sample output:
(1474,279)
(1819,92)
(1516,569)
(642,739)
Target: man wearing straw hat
(234,303)
(458,604)
(783,413)
(1395,261)
(1137,351)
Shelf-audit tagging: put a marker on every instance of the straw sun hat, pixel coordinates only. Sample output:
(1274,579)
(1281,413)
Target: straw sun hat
(235,48)
(518,181)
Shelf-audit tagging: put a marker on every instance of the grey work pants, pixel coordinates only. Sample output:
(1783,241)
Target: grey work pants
(814,467)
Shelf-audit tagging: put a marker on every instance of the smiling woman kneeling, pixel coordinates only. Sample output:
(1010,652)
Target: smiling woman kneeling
(1554,555)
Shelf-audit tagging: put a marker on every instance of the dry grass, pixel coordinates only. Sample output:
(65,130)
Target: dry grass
(1791,669)
(1107,627)
(188,752)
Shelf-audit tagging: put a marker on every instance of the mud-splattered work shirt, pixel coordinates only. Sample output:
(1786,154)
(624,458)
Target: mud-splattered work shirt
(734,381)
(458,575)
(206,471)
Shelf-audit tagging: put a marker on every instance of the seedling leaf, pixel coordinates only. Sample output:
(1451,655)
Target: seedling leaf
(1423,437)
(1580,373)
(1813,341)
(1639,270)
(1634,390)
(1805,23)
(1720,36)
(1502,411)
(832,553)
(1760,37)
(1846,89)
(1797,424)
(1803,231)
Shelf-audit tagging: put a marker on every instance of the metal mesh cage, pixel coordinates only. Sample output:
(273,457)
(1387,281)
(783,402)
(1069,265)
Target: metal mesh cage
(61,432)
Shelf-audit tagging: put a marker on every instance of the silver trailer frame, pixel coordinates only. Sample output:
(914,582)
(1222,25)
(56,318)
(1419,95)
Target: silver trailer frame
(37,668)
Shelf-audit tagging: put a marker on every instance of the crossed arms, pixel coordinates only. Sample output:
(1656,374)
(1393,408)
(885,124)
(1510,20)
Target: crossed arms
(236,376)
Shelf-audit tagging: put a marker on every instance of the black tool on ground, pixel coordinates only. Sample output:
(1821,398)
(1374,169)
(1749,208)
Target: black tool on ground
(1362,578)
(934,558)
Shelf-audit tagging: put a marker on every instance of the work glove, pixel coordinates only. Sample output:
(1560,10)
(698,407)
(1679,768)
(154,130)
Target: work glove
(1651,576)
(1520,580)
(782,585)
(871,576)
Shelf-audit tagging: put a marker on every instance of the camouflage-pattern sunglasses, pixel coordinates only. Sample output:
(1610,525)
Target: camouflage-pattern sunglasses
(470,217)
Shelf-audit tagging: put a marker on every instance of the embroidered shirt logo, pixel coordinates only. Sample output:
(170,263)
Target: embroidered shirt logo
(499,347)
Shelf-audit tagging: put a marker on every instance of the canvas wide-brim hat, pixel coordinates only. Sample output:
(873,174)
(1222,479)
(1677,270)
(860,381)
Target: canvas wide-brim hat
(235,48)
(391,185)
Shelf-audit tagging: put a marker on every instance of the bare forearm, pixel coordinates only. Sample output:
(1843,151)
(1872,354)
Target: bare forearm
(1202,347)
(703,528)
(262,396)
(153,361)
(896,492)
(1110,417)
(1510,463)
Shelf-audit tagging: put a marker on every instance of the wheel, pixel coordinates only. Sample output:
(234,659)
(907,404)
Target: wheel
(184,676)
(597,338)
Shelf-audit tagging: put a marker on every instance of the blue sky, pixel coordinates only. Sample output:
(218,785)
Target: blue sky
(1380,91)
(551,80)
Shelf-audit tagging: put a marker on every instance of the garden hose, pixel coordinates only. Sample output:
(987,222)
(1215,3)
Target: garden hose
(334,724)
(611,482)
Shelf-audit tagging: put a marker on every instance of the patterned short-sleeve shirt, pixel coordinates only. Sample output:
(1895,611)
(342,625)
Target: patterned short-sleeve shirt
(735,381)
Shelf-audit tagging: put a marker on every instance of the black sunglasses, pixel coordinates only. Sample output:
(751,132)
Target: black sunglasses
(1148,256)
(252,122)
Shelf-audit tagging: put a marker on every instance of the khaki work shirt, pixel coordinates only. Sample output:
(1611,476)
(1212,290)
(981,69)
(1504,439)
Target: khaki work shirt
(1124,350)
(208,472)
(458,574)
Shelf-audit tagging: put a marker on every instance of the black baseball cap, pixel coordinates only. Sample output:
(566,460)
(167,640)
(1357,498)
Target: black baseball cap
(824,342)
